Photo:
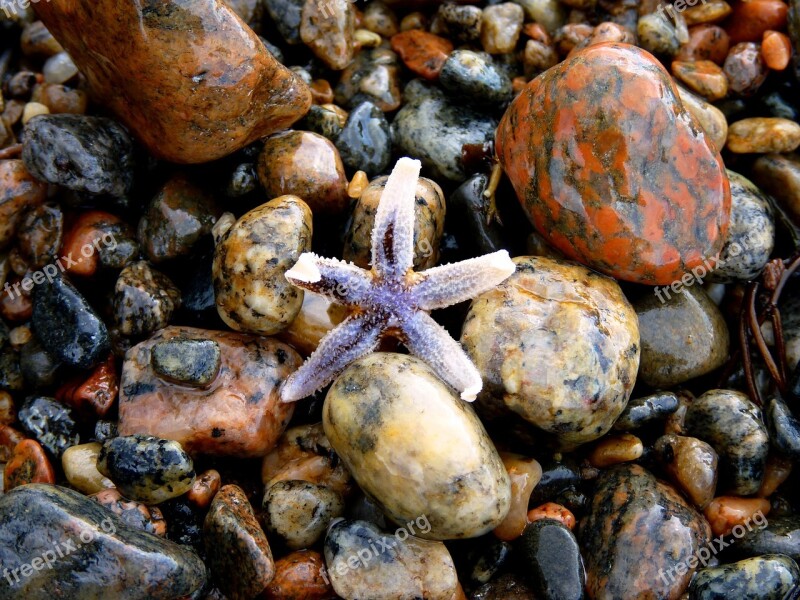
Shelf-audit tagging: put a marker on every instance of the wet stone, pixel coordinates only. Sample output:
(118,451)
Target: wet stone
(780,536)
(39,368)
(708,116)
(50,422)
(113,240)
(94,394)
(300,511)
(473,75)
(80,468)
(732,424)
(81,153)
(328,30)
(784,428)
(524,473)
(691,464)
(468,208)
(300,575)
(144,300)
(745,69)
(243,180)
(187,361)
(120,562)
(365,142)
(733,514)
(373,75)
(550,555)
(549,13)
(487,559)
(706,42)
(286,16)
(146,468)
(67,326)
(779,176)
(460,22)
(27,464)
(236,544)
(325,122)
(763,135)
(204,489)
(11,378)
(658,34)
(702,77)
(422,52)
(646,409)
(501,27)
(767,576)
(39,235)
(134,514)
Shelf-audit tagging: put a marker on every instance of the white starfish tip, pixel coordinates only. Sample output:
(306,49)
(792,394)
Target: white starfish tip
(501,261)
(407,167)
(304,270)
(469,394)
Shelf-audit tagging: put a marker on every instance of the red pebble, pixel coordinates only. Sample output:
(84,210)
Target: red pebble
(93,395)
(422,52)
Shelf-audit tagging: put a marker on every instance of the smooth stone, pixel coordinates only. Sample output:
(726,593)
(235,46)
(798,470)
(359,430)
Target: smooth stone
(120,562)
(733,514)
(763,135)
(40,234)
(549,13)
(51,423)
(691,464)
(781,535)
(368,410)
(732,424)
(11,378)
(317,316)
(554,512)
(306,165)
(134,514)
(501,27)
(324,121)
(629,541)
(286,16)
(205,487)
(702,77)
(422,52)
(94,394)
(300,575)
(646,409)
(9,439)
(574,389)
(27,463)
(328,29)
(486,560)
(429,218)
(81,153)
(187,361)
(524,473)
(300,511)
(144,300)
(19,191)
(751,235)
(188,98)
(505,587)
(177,218)
(80,468)
(659,35)
(373,75)
(239,414)
(39,368)
(550,556)
(365,142)
(363,562)
(250,263)
(243,180)
(706,42)
(644,223)
(707,115)
(146,468)
(67,326)
(468,208)
(745,69)
(683,337)
(779,176)
(462,23)
(474,76)
(615,449)
(113,238)
(236,545)
(434,129)
(784,428)
(762,577)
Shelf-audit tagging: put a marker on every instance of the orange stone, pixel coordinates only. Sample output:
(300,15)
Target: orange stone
(19,191)
(727,512)
(751,18)
(300,575)
(9,438)
(551,510)
(525,474)
(321,91)
(611,168)
(28,464)
(537,32)
(703,77)
(204,488)
(86,230)
(190,79)
(616,449)
(776,48)
(706,42)
(93,395)
(776,471)
(422,52)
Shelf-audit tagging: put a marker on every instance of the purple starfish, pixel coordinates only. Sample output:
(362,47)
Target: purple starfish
(392,299)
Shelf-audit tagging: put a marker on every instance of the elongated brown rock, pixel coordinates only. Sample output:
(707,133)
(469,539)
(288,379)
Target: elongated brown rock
(188,77)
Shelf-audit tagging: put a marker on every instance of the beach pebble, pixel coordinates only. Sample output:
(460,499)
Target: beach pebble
(134,514)
(189,362)
(784,428)
(93,394)
(616,449)
(702,77)
(328,29)
(551,558)
(706,42)
(727,514)
(19,191)
(80,468)
(27,463)
(474,75)
(745,69)
(691,464)
(501,27)
(300,575)
(300,512)
(144,300)
(645,409)
(373,75)
(524,474)
(763,135)
(365,142)
(50,422)
(766,576)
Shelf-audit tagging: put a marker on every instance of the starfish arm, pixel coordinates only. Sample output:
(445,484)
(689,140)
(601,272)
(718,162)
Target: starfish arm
(428,340)
(340,281)
(450,284)
(355,337)
(393,232)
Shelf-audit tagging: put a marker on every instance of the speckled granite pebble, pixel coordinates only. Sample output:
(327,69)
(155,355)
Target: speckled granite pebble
(474,77)
(300,511)
(144,299)
(50,422)
(768,576)
(191,362)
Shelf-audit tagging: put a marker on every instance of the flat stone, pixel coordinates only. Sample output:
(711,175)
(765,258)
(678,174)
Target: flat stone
(187,361)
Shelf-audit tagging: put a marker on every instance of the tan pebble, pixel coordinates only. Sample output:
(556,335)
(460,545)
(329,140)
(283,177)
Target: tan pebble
(709,12)
(204,488)
(728,512)
(763,135)
(414,20)
(80,468)
(551,510)
(357,185)
(501,27)
(616,449)
(367,39)
(380,19)
(711,119)
(776,48)
(777,471)
(19,336)
(691,464)
(33,109)
(525,473)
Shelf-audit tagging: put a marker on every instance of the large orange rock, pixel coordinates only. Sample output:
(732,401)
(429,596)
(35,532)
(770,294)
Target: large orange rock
(613,170)
(188,77)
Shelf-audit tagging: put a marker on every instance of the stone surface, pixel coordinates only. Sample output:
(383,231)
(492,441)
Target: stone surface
(763,135)
(188,361)
(745,69)
(645,409)
(19,190)
(328,29)
(300,575)
(727,514)
(501,26)
(365,142)
(552,560)
(134,514)
(144,300)
(80,468)
(422,52)
(767,576)
(50,422)
(524,474)
(702,77)
(188,98)
(691,464)
(27,464)
(474,76)
(300,511)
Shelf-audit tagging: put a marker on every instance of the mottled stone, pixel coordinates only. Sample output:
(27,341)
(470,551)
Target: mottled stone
(50,422)
(39,368)
(113,242)
(784,428)
(325,121)
(631,548)
(473,76)
(239,414)
(702,77)
(39,235)
(745,69)
(300,511)
(188,98)
(19,190)
(462,23)
(363,562)
(373,75)
(300,575)
(732,424)
(616,449)
(750,20)
(236,545)
(317,316)
(779,176)
(384,391)
(117,561)
(27,464)
(552,561)
(134,514)
(659,34)
(706,42)
(767,576)
(550,13)
(501,27)
(144,300)
(9,438)
(709,117)
(776,48)
(365,142)
(683,336)
(646,409)
(328,29)
(190,362)
(691,464)
(250,263)
(80,468)
(727,514)
(146,468)
(422,52)
(763,135)
(286,16)
(554,512)
(575,388)
(781,535)
(93,395)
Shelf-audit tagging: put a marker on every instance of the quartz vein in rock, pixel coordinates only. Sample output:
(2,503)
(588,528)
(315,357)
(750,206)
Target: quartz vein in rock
(392,299)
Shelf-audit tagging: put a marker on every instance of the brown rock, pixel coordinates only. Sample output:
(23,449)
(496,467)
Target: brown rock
(702,76)
(191,80)
(751,18)
(422,52)
(525,474)
(706,42)
(328,28)
(726,512)
(204,488)
(19,191)
(300,576)
(779,176)
(691,464)
(707,12)
(763,135)
(28,464)
(60,99)
(556,512)
(93,395)
(8,413)
(9,438)
(616,449)
(745,69)
(776,48)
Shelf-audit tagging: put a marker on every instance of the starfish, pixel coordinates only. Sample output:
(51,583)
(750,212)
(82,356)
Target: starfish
(393,299)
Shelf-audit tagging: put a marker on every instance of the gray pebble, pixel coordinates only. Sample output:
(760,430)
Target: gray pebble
(365,143)
(300,511)
(473,77)
(188,361)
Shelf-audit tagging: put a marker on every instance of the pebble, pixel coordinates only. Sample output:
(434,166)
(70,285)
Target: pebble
(708,12)
(85,154)
(691,464)
(487,560)
(524,474)
(732,424)
(763,135)
(659,35)
(80,468)
(315,319)
(779,535)
(501,27)
(475,76)
(8,414)
(628,512)
(538,57)
(39,235)
(751,19)
(59,68)
(300,511)
(144,300)
(702,77)
(429,218)
(462,23)
(204,488)
(766,576)
(422,52)
(683,337)
(776,473)
(27,464)
(776,48)
(515,325)
(633,246)
(146,468)
(468,208)
(380,19)
(307,165)
(373,75)
(60,99)
(37,41)
(365,141)
(363,562)
(120,562)
(189,362)
(286,16)
(9,438)
(554,512)
(551,14)
(300,575)
(50,422)
(19,191)
(93,394)
(134,514)
(706,42)
(10,375)
(646,409)
(728,514)
(38,367)
(401,392)
(239,414)
(178,216)
(250,263)
(171,89)
(745,69)
(552,561)
(784,428)
(236,544)
(505,587)
(33,109)
(328,29)
(325,121)
(779,176)
(113,241)
(616,449)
